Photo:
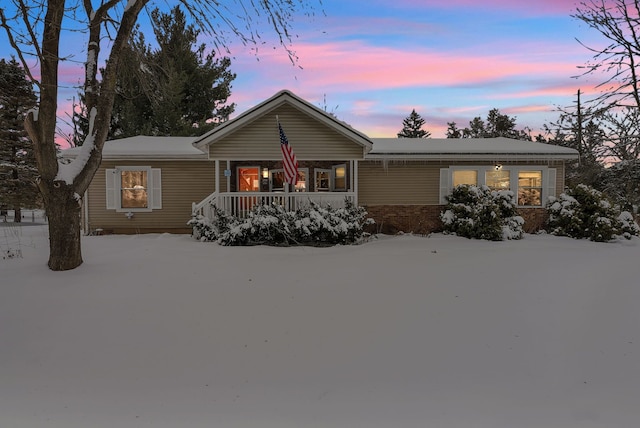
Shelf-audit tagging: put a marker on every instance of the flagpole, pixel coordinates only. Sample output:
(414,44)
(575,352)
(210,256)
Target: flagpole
(286,183)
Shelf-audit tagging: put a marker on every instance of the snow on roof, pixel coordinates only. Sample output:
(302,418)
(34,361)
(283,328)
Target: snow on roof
(465,147)
(147,147)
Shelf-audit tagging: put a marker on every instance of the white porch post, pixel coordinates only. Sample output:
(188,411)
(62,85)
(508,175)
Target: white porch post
(286,196)
(228,176)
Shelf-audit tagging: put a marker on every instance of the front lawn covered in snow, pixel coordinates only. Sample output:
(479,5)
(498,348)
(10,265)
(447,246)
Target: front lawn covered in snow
(163,331)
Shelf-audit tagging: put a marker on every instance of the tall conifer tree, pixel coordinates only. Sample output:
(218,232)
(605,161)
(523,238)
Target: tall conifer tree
(17,161)
(412,127)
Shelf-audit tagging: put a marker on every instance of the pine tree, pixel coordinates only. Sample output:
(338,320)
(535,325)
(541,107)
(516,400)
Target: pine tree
(496,125)
(412,127)
(17,161)
(177,89)
(37,28)
(453,131)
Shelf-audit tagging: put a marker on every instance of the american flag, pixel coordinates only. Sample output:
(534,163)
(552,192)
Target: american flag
(288,158)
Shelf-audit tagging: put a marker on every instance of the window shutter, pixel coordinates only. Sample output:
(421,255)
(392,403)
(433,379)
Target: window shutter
(111,180)
(444,185)
(551,183)
(156,182)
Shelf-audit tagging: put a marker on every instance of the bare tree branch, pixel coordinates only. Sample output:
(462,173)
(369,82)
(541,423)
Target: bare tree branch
(617,21)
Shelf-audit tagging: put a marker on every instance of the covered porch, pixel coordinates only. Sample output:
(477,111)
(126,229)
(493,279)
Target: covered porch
(241,185)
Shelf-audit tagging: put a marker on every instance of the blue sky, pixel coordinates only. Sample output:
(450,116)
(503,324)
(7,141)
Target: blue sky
(372,62)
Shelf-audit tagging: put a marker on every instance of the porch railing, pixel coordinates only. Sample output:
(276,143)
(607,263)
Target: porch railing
(240,204)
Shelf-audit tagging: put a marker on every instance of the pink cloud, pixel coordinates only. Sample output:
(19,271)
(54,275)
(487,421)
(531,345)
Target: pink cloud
(355,66)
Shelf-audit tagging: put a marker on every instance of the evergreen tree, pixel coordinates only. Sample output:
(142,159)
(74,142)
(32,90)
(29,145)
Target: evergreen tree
(496,125)
(37,28)
(453,131)
(17,160)
(412,127)
(476,129)
(176,89)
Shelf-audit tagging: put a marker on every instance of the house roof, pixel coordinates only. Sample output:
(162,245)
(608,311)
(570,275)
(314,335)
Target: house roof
(466,148)
(146,147)
(282,97)
(196,148)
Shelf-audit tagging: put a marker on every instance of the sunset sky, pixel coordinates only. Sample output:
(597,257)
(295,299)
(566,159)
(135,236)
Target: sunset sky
(372,62)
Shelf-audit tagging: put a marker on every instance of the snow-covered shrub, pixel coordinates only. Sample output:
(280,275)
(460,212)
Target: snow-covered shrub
(628,225)
(205,229)
(265,224)
(330,226)
(583,212)
(273,225)
(482,213)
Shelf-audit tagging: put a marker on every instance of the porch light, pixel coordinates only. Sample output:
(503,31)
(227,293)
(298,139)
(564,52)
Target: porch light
(265,173)
(498,167)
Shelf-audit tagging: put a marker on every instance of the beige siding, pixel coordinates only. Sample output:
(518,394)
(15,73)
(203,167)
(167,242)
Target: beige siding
(182,183)
(417,182)
(559,177)
(410,183)
(310,139)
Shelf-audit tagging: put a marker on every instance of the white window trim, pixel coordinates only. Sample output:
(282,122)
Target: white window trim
(315,179)
(548,179)
(114,188)
(272,171)
(333,178)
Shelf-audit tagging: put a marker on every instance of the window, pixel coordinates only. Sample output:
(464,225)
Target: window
(463,176)
(530,188)
(498,180)
(322,180)
(133,188)
(340,177)
(534,185)
(302,183)
(276,182)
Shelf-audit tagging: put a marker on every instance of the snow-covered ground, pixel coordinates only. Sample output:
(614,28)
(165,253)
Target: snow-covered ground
(163,331)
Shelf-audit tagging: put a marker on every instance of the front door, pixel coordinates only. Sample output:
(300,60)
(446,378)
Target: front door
(248,181)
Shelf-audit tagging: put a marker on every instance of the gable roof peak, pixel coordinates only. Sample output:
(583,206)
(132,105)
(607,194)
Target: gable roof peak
(281,97)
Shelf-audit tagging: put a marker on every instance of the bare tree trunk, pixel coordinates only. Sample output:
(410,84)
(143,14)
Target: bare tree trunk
(17,214)
(63,212)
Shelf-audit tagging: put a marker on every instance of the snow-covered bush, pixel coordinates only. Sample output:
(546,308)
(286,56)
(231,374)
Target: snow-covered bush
(273,225)
(205,229)
(583,212)
(628,225)
(482,213)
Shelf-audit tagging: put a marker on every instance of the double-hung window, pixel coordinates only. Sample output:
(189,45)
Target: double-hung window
(498,179)
(530,188)
(133,188)
(340,178)
(322,180)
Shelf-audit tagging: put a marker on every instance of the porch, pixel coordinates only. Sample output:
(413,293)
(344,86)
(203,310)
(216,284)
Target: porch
(241,185)
(239,204)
